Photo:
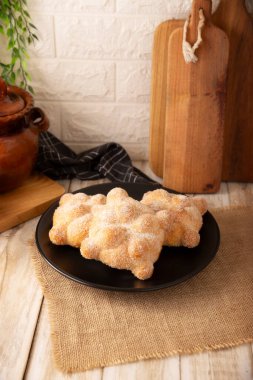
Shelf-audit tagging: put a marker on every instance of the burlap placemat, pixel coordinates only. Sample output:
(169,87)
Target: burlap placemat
(95,328)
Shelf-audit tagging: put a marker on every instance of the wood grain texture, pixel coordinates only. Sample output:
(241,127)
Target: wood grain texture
(27,201)
(20,300)
(233,18)
(194,112)
(233,364)
(158,93)
(162,369)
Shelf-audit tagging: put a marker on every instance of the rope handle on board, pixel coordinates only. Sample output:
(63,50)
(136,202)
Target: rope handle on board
(188,49)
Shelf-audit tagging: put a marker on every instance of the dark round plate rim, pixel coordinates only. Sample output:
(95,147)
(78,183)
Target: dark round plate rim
(116,288)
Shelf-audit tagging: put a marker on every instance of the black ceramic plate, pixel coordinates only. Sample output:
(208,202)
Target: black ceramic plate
(174,265)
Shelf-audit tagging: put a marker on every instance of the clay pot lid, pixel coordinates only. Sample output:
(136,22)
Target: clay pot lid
(10,102)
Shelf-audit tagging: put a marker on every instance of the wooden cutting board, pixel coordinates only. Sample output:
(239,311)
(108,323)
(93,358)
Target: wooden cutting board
(158,93)
(28,201)
(234,19)
(195,108)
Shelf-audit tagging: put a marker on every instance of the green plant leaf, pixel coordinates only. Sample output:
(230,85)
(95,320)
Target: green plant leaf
(13,60)
(28,76)
(16,25)
(11,44)
(27,14)
(30,89)
(10,32)
(15,52)
(22,38)
(13,77)
(32,25)
(24,64)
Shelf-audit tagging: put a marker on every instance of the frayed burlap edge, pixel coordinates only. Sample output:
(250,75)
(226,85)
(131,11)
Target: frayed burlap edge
(59,362)
(155,355)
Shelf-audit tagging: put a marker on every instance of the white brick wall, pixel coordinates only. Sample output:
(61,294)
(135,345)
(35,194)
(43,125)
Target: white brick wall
(91,67)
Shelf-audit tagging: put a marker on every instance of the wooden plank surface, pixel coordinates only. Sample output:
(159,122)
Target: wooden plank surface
(27,201)
(162,369)
(25,346)
(20,301)
(240,194)
(232,364)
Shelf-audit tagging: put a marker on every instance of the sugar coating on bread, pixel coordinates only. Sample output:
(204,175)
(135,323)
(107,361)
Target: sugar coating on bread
(180,216)
(71,219)
(124,234)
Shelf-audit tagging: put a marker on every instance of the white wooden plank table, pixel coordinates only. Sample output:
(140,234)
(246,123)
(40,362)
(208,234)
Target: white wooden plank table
(25,347)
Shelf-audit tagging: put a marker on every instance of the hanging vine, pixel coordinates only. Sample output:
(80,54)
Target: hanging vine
(19,32)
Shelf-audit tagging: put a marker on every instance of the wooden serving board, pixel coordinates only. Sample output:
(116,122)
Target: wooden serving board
(233,18)
(28,201)
(193,142)
(158,93)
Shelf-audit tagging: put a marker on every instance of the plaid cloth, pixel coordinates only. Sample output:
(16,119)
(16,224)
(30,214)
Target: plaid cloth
(58,161)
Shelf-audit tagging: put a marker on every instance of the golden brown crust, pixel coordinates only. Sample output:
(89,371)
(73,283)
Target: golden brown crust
(180,216)
(124,234)
(71,219)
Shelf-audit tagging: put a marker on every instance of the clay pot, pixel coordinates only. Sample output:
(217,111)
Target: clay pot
(20,126)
